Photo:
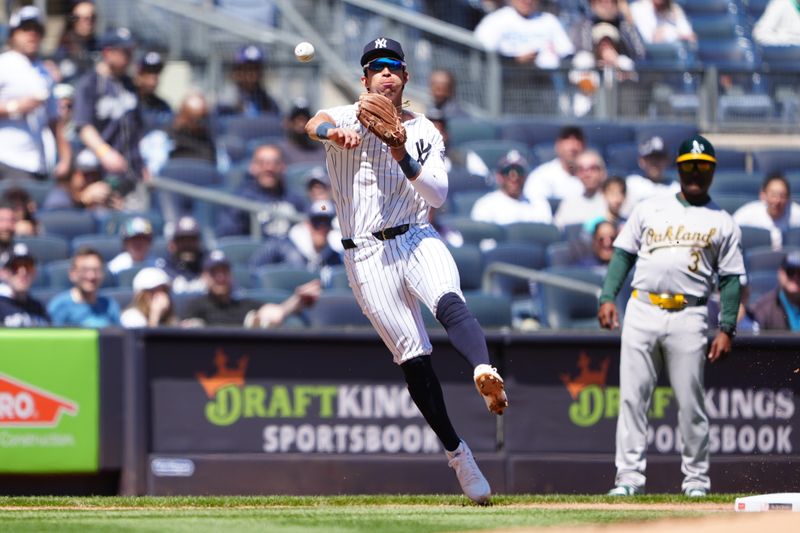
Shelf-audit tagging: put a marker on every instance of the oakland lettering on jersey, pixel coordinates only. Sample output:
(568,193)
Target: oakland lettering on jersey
(679,236)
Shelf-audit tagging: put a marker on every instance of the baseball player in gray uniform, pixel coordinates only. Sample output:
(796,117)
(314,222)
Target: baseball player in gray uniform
(679,244)
(394,258)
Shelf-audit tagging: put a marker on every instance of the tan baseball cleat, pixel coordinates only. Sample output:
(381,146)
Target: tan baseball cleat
(490,386)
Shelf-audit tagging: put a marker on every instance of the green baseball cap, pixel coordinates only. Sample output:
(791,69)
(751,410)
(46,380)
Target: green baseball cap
(696,148)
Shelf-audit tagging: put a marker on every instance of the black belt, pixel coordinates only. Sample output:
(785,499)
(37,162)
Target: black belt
(382,235)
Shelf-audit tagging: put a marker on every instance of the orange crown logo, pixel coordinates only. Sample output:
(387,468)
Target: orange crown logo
(586,377)
(224,376)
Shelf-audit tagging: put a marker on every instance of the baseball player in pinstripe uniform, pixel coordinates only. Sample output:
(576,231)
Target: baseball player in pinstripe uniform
(394,257)
(679,244)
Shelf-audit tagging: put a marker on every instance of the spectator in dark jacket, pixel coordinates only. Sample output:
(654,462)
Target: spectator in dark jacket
(608,11)
(156,112)
(184,264)
(6,226)
(190,132)
(779,309)
(265,184)
(18,308)
(297,146)
(247,96)
(78,47)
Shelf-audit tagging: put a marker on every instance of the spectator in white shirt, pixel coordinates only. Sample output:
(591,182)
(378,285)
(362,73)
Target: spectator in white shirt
(773,210)
(523,32)
(661,21)
(507,205)
(591,170)
(28,110)
(779,25)
(137,244)
(556,178)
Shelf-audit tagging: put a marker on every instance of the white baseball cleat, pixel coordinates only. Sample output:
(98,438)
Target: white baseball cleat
(696,492)
(472,482)
(490,386)
(625,490)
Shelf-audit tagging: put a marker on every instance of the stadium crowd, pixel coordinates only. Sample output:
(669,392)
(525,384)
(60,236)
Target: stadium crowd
(85,240)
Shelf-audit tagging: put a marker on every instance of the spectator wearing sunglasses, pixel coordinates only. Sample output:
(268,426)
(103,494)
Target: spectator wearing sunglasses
(779,309)
(773,211)
(78,47)
(306,246)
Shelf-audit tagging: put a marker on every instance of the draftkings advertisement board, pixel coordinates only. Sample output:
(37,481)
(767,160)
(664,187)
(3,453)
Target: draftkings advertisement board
(566,399)
(273,396)
(49,404)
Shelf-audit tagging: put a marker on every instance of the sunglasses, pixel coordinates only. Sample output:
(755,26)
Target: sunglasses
(377,65)
(701,166)
(321,222)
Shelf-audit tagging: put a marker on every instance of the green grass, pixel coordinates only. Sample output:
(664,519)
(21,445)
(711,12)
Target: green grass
(346,514)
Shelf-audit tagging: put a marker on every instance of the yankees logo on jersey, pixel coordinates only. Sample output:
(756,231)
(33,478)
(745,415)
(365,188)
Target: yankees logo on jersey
(369,188)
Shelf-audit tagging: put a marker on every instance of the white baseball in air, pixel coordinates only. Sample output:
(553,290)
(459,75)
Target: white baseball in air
(304,51)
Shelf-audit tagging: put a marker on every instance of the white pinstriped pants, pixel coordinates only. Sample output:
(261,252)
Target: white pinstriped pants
(654,338)
(389,278)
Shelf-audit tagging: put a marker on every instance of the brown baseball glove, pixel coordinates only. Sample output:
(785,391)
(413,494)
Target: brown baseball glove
(379,115)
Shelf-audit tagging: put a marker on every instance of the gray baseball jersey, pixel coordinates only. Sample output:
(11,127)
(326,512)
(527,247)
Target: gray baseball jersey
(681,247)
(371,193)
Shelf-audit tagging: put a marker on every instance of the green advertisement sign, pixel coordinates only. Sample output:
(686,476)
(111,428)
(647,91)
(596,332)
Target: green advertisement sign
(49,400)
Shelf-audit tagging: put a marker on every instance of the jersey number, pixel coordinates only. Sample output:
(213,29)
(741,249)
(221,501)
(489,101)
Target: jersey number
(695,261)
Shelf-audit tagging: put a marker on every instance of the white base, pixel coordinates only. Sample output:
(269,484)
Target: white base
(782,501)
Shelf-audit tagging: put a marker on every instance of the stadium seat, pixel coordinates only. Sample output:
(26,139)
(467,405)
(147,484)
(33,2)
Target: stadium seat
(122,295)
(530,132)
(761,283)
(728,54)
(623,157)
(532,233)
(273,296)
(544,152)
(461,130)
(295,176)
(125,277)
(765,259)
(193,171)
(46,248)
(769,161)
(335,277)
(38,190)
(525,255)
(781,59)
(463,201)
(247,128)
(491,311)
(559,254)
(717,26)
(791,237)
(45,294)
(730,160)
(732,202)
(745,107)
(602,134)
(665,55)
(718,7)
(728,182)
(238,249)
(109,246)
(473,231)
(235,147)
(565,309)
(755,237)
(67,223)
(283,277)
(755,8)
(491,151)
(337,308)
(242,277)
(469,261)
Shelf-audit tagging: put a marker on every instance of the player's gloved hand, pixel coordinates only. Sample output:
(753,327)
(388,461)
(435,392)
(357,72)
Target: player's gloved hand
(344,137)
(720,347)
(607,316)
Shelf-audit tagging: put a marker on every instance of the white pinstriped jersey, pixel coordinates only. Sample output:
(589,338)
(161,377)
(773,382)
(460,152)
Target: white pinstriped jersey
(370,191)
(680,247)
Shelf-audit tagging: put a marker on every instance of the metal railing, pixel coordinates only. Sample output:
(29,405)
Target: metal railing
(545,278)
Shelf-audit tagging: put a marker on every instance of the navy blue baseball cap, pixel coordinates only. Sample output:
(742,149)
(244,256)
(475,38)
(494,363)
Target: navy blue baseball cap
(249,54)
(117,38)
(381,47)
(512,160)
(216,258)
(151,62)
(18,252)
(26,15)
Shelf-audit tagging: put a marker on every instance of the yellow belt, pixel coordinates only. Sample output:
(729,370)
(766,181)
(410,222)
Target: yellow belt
(668,301)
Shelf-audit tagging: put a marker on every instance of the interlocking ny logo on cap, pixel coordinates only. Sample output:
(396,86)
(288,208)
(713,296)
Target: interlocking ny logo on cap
(697,148)
(380,43)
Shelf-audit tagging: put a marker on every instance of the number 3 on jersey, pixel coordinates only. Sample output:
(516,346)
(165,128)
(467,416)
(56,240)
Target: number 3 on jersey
(693,266)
